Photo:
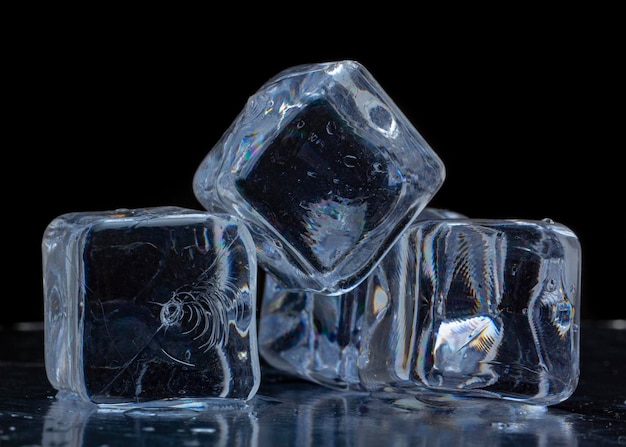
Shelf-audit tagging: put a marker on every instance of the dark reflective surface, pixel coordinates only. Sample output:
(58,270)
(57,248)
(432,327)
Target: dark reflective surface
(292,412)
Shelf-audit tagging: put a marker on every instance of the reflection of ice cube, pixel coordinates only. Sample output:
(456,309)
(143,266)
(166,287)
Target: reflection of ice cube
(310,416)
(326,171)
(480,307)
(150,304)
(74,422)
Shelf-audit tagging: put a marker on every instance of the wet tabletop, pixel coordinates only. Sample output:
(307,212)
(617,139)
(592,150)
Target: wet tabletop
(289,412)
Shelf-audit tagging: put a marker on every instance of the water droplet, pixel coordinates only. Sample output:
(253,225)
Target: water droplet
(363,360)
(349,160)
(330,128)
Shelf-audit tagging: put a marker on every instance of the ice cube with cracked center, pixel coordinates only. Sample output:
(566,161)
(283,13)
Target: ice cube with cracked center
(150,304)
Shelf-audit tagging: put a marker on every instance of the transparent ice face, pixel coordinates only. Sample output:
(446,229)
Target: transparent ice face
(327,172)
(148,304)
(463,306)
(503,309)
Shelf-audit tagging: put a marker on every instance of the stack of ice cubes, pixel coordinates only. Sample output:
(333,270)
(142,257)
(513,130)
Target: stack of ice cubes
(325,183)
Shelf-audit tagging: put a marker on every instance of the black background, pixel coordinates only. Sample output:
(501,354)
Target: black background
(109,109)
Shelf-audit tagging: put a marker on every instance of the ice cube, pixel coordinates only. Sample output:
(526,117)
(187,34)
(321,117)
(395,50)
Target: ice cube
(150,304)
(327,172)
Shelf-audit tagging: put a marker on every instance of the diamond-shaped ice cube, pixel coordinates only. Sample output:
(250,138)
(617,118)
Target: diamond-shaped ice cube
(148,304)
(327,172)
(478,307)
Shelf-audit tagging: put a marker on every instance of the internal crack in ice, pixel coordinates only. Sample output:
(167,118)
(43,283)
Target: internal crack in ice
(177,360)
(125,366)
(205,301)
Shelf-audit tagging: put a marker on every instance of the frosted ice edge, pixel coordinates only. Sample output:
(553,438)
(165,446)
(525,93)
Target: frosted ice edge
(150,304)
(493,312)
(326,170)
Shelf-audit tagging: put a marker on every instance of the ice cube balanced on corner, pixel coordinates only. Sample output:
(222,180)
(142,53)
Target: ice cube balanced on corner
(150,304)
(469,307)
(326,171)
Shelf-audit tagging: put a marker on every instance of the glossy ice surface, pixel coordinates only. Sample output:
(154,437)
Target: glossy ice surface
(149,304)
(326,171)
(464,306)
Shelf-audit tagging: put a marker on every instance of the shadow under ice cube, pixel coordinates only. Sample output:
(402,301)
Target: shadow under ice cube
(326,171)
(463,306)
(150,304)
